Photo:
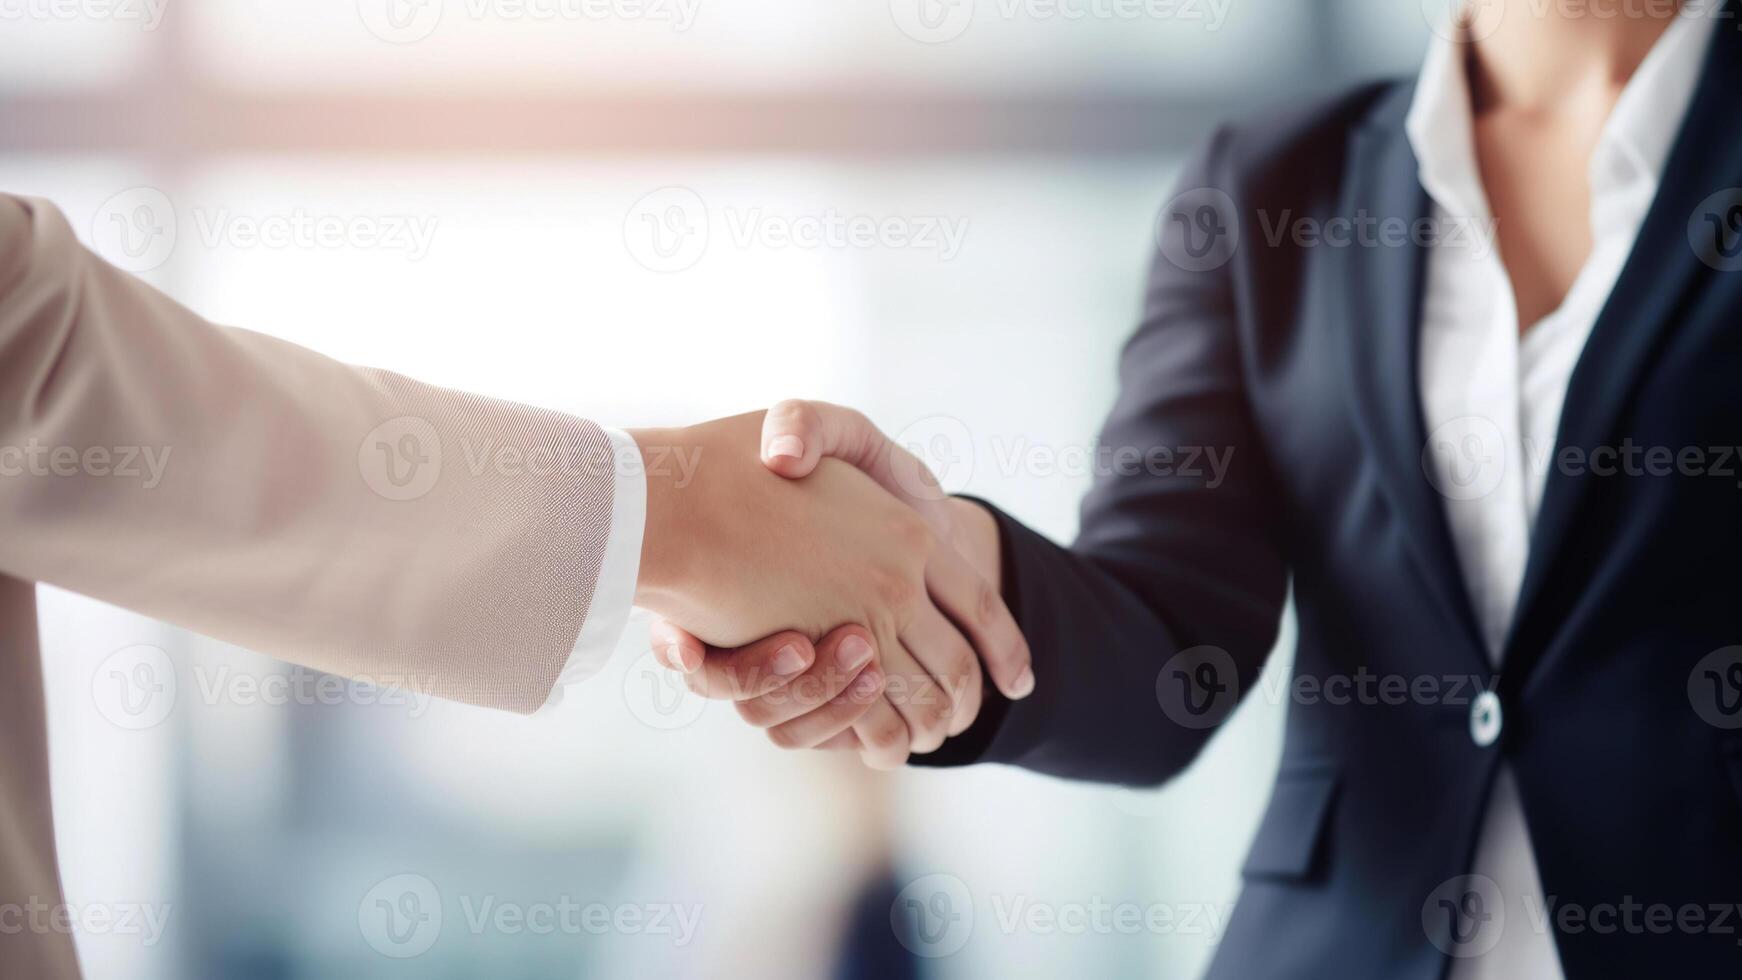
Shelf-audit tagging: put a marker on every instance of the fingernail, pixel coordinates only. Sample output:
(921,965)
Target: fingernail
(854,652)
(688,664)
(786,446)
(788,661)
(1024,685)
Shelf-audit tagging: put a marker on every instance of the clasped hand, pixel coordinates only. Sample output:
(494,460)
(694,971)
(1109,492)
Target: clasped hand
(811,571)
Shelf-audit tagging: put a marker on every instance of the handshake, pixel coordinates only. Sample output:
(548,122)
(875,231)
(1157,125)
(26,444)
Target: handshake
(813,572)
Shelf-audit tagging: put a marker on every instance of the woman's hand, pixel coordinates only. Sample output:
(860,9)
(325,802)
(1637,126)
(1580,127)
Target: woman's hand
(909,554)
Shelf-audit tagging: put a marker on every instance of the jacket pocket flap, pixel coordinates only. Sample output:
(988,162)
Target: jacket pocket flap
(1288,837)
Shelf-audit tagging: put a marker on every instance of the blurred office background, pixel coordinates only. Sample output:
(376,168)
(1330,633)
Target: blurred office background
(584,204)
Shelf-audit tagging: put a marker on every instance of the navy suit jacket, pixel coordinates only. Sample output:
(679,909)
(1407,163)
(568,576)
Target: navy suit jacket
(1619,692)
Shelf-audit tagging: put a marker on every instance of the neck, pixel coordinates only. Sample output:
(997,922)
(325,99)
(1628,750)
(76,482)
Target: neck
(1542,54)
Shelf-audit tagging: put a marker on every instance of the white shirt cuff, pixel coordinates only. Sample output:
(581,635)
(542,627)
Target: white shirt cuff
(614,593)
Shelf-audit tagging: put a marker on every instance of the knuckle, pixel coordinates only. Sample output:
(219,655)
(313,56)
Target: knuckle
(894,587)
(987,603)
(786,737)
(794,414)
(911,531)
(756,713)
(887,731)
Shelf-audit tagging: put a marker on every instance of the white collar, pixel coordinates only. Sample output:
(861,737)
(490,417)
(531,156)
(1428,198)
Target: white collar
(1635,142)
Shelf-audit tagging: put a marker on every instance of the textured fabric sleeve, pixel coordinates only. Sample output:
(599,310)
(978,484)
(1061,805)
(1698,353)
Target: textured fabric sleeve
(614,597)
(347,519)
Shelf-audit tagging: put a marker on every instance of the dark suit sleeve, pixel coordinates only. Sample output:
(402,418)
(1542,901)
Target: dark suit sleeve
(1177,565)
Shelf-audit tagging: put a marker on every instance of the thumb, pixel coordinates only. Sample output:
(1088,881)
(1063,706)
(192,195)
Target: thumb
(797,434)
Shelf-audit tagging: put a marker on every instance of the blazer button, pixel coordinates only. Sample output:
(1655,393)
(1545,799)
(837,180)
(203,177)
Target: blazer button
(1485,719)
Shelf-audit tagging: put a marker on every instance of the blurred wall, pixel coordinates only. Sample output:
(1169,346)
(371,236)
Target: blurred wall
(643,212)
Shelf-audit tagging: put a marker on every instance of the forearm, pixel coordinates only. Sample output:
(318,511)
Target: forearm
(348,519)
(1103,648)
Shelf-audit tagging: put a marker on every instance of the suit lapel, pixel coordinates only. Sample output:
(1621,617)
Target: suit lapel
(1382,287)
(1661,277)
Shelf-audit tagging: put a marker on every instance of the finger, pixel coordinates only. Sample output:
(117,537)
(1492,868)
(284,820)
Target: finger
(752,671)
(797,434)
(945,654)
(884,741)
(675,647)
(845,741)
(837,716)
(841,657)
(923,705)
(970,600)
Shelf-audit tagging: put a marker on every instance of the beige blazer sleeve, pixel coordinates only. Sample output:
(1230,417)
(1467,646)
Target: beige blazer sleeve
(347,519)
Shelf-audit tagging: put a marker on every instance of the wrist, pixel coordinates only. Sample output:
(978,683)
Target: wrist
(662,558)
(974,533)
